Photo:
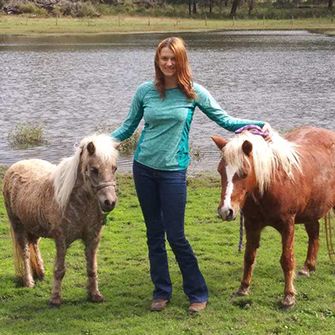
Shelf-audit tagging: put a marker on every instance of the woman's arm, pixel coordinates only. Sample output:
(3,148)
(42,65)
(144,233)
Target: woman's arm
(133,118)
(212,109)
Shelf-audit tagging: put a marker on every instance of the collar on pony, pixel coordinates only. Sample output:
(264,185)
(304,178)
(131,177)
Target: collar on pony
(253,129)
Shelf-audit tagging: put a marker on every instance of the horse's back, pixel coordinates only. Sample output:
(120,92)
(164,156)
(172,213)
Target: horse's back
(24,182)
(32,165)
(316,147)
(27,171)
(314,137)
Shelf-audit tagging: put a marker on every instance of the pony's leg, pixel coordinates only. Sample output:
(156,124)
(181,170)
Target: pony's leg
(91,247)
(312,229)
(252,244)
(36,257)
(59,272)
(287,262)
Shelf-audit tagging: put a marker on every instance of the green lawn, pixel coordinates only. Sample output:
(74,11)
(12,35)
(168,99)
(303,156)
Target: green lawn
(125,282)
(127,24)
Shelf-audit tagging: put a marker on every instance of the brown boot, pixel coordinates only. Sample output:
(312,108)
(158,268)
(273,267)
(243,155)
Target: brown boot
(158,305)
(196,307)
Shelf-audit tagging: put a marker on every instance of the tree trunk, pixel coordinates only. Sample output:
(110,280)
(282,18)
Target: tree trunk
(194,7)
(189,7)
(234,6)
(330,4)
(226,3)
(251,6)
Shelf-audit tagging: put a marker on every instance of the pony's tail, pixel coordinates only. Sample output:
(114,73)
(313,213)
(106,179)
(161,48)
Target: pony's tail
(330,236)
(18,256)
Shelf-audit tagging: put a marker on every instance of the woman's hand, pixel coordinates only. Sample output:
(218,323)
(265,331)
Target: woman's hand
(267,131)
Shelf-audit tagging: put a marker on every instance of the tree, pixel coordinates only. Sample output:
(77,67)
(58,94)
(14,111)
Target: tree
(234,6)
(192,7)
(210,4)
(250,6)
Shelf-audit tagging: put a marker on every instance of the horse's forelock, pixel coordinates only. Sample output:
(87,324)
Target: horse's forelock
(105,147)
(266,156)
(233,156)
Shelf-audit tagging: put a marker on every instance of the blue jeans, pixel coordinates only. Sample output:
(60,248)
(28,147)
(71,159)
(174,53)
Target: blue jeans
(162,196)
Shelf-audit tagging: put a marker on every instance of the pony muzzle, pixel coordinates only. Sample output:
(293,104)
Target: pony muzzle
(107,198)
(107,205)
(227,214)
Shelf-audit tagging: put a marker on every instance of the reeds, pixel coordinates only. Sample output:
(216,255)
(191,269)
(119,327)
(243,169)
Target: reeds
(26,135)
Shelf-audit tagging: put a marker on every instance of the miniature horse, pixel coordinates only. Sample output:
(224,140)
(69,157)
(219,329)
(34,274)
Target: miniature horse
(64,202)
(289,180)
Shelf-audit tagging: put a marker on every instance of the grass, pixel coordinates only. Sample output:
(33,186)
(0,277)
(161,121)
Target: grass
(26,135)
(125,282)
(25,25)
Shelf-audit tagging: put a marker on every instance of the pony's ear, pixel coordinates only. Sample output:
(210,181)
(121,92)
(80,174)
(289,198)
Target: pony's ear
(247,147)
(90,148)
(219,141)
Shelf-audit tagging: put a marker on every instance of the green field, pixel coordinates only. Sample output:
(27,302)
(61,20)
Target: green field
(25,25)
(125,283)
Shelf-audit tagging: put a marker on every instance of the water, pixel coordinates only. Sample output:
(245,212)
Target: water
(74,85)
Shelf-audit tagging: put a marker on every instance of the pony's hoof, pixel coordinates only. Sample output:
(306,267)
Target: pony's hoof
(40,276)
(288,301)
(55,302)
(304,272)
(242,292)
(98,297)
(29,284)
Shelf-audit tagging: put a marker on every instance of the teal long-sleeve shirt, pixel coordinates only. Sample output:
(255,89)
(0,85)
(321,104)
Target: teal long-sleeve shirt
(164,141)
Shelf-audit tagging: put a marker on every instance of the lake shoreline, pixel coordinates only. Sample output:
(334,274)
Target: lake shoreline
(32,35)
(124,25)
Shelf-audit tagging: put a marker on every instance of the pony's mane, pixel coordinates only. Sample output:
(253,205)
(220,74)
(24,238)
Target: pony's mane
(65,173)
(267,156)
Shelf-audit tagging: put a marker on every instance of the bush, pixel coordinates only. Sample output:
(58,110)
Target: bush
(27,7)
(3,169)
(280,9)
(26,135)
(196,153)
(31,8)
(126,147)
(76,9)
(86,9)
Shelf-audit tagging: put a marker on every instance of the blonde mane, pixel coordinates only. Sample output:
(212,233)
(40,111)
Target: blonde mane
(65,174)
(267,156)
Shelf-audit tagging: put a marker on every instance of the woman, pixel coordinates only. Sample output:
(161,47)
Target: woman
(167,105)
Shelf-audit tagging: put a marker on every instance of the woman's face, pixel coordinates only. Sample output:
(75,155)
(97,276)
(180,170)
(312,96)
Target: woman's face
(167,62)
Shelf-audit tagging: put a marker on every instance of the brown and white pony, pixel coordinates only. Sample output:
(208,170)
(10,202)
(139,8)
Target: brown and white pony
(64,202)
(289,180)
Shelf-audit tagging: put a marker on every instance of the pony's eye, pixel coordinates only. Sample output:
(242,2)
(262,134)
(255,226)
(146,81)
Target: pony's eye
(114,169)
(94,171)
(243,174)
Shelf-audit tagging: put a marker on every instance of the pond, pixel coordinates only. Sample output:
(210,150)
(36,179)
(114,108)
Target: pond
(76,85)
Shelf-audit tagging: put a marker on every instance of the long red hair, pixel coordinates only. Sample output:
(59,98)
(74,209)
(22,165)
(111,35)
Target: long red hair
(183,70)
